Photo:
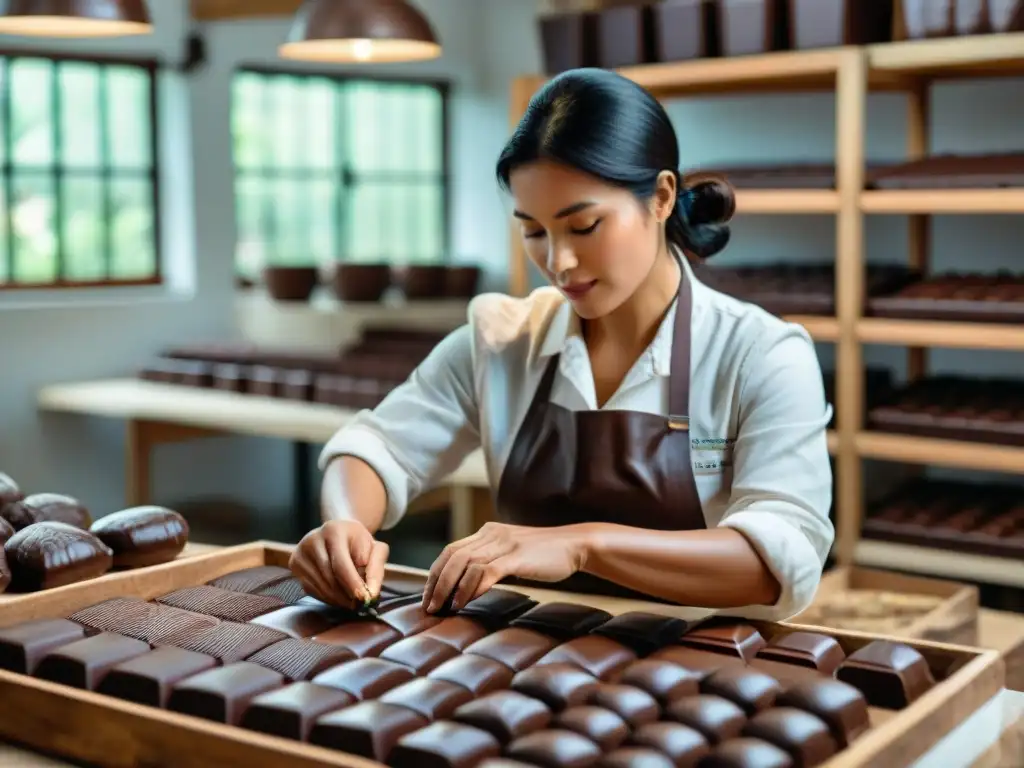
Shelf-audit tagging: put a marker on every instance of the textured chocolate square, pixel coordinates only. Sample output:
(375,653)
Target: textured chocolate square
(444,744)
(84,663)
(716,718)
(22,646)
(421,654)
(753,691)
(747,753)
(251,579)
(370,729)
(808,649)
(363,638)
(683,744)
(600,656)
(289,590)
(633,705)
(149,679)
(433,699)
(601,726)
(890,675)
(303,621)
(733,639)
(563,621)
(140,619)
(290,712)
(506,715)
(559,686)
(645,633)
(227,641)
(841,706)
(222,603)
(365,678)
(664,680)
(566,749)
(800,734)
(477,674)
(300,659)
(459,632)
(516,647)
(222,694)
(497,607)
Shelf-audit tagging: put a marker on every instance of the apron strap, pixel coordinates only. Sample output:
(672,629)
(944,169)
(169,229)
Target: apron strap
(679,379)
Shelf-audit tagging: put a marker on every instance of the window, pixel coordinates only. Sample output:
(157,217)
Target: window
(78,183)
(331,168)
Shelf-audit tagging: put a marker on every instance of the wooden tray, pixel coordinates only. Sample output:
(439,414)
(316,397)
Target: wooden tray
(104,731)
(952,617)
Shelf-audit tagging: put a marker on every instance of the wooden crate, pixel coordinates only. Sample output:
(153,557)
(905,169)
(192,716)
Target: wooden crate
(922,608)
(103,731)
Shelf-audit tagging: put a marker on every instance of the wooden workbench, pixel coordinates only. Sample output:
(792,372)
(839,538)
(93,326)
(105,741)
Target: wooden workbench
(165,413)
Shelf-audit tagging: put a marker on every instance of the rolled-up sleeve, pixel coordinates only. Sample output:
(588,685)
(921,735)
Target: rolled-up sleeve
(782,477)
(422,430)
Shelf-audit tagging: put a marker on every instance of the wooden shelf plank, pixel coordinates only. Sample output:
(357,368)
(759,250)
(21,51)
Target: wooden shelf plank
(938,562)
(943,201)
(820,328)
(969,56)
(957,454)
(786,201)
(926,333)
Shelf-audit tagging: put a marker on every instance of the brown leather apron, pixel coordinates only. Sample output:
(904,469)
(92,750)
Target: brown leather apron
(624,467)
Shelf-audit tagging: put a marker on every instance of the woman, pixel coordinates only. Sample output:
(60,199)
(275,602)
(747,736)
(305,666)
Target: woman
(647,436)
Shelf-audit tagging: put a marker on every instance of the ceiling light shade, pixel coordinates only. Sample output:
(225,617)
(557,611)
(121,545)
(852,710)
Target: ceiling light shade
(360,31)
(76,18)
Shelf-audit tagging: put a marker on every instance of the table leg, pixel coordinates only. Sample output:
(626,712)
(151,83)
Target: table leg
(137,454)
(306,507)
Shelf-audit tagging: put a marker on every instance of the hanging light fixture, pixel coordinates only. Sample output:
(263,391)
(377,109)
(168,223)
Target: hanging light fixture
(75,18)
(360,31)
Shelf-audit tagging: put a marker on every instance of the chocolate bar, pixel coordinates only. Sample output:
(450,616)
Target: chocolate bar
(599,725)
(84,663)
(598,655)
(957,297)
(50,554)
(292,711)
(554,748)
(365,678)
(370,729)
(955,172)
(221,603)
(559,686)
(300,659)
(506,715)
(23,646)
(683,745)
(142,536)
(149,679)
(224,693)
(890,675)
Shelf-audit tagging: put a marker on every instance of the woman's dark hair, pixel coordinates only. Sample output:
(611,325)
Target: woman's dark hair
(604,124)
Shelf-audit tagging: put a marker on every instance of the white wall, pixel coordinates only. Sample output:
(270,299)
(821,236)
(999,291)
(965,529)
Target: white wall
(486,43)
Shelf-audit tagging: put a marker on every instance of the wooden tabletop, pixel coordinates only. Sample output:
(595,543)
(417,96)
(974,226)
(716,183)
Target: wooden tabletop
(217,410)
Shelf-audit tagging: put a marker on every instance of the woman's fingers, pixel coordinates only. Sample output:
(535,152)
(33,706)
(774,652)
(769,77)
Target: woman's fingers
(312,567)
(375,565)
(440,563)
(454,570)
(480,577)
(338,541)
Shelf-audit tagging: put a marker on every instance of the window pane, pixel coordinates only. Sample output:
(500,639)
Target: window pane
(251,246)
(35,241)
(286,116)
(3,115)
(247,121)
(83,229)
(132,231)
(5,257)
(80,114)
(32,107)
(429,138)
(367,133)
(323,218)
(322,125)
(128,115)
(366,228)
(431,220)
(290,223)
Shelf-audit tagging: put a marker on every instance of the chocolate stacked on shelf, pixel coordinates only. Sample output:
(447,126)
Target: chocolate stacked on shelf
(985,519)
(502,678)
(956,297)
(357,377)
(990,171)
(796,289)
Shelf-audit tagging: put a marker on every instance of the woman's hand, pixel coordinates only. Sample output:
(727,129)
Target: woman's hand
(473,565)
(340,563)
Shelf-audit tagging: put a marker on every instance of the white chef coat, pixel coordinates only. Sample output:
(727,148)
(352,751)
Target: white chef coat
(758,416)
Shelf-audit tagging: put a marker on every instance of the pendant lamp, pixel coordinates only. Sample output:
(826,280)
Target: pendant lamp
(360,31)
(75,18)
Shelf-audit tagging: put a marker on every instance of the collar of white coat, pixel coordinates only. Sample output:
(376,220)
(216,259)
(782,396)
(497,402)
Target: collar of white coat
(564,334)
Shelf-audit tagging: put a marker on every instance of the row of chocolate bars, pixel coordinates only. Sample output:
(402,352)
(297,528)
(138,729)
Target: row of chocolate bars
(623,33)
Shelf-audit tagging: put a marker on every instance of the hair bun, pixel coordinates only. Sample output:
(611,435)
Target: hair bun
(709,200)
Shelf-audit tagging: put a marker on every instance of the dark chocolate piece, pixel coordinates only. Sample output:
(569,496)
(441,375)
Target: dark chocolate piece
(563,621)
(370,729)
(785,674)
(476,674)
(746,753)
(733,639)
(386,603)
(443,745)
(555,749)
(222,603)
(433,699)
(252,580)
(702,663)
(149,679)
(506,715)
(363,638)
(224,693)
(5,571)
(753,691)
(559,686)
(890,675)
(48,508)
(84,663)
(226,641)
(365,678)
(601,726)
(517,648)
(409,619)
(291,712)
(645,633)
(9,490)
(842,707)
(22,646)
(48,555)
(808,649)
(300,659)
(800,734)
(633,705)
(717,718)
(637,757)
(421,654)
(683,744)
(6,530)
(289,590)
(457,631)
(497,607)
(142,536)
(600,656)
(404,583)
(664,680)
(151,622)
(303,621)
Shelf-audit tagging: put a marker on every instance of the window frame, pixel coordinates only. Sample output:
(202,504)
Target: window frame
(444,87)
(152,67)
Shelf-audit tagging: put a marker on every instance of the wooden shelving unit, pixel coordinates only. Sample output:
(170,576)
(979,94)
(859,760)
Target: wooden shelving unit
(851,73)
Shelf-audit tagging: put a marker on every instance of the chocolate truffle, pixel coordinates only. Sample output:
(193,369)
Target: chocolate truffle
(9,490)
(47,507)
(47,555)
(142,536)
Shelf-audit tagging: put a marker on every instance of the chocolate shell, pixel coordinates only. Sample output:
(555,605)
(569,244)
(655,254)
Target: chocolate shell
(9,490)
(52,554)
(142,536)
(47,507)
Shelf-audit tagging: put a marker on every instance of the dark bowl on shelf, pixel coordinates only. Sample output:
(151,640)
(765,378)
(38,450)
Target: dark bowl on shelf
(361,282)
(422,281)
(462,282)
(290,283)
